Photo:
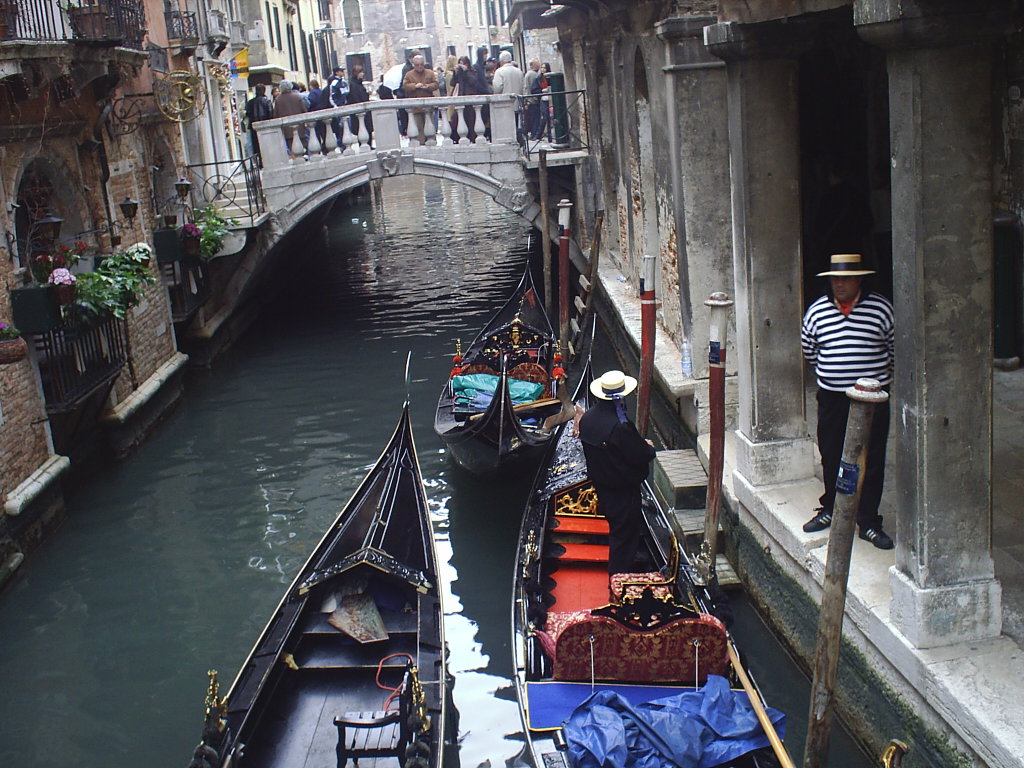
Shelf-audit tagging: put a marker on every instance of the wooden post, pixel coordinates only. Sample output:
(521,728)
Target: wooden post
(865,395)
(564,234)
(719,303)
(545,241)
(648,332)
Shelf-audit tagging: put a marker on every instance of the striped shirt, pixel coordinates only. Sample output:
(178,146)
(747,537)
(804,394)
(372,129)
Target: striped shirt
(844,348)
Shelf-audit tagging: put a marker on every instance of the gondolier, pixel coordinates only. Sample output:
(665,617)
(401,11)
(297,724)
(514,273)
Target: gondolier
(846,336)
(618,461)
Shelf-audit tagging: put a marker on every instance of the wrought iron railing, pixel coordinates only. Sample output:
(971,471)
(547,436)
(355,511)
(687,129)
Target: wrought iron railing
(555,121)
(77,360)
(187,287)
(95,22)
(233,186)
(181,25)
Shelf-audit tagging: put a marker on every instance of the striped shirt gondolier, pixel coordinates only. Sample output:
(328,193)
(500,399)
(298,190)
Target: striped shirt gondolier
(845,348)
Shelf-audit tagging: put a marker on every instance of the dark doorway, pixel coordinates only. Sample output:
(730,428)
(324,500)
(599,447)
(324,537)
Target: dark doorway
(844,143)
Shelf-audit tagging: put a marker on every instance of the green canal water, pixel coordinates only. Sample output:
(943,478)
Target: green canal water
(169,563)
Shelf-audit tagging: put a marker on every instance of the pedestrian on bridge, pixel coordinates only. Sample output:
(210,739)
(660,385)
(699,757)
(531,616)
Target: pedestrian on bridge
(289,103)
(419,83)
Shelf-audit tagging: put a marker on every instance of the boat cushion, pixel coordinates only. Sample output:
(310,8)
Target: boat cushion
(468,388)
(664,654)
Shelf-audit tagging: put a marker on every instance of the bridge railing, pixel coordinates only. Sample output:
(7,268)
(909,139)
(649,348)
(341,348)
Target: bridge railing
(374,125)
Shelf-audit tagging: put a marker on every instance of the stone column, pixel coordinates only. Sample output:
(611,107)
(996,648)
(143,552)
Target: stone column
(772,442)
(699,153)
(943,585)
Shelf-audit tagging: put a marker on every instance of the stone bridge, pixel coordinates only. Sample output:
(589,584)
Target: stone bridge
(296,182)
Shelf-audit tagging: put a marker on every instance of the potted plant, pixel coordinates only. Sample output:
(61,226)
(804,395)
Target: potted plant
(63,283)
(191,239)
(12,346)
(115,286)
(214,228)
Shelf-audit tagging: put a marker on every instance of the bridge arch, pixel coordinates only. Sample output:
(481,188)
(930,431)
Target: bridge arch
(510,195)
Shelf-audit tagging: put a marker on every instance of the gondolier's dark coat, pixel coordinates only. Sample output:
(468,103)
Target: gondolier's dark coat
(618,461)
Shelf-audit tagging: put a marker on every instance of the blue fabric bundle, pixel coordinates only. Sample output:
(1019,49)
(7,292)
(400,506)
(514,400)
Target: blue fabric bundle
(477,389)
(698,729)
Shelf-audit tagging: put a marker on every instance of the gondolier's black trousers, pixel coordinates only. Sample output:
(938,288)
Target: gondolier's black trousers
(833,410)
(621,507)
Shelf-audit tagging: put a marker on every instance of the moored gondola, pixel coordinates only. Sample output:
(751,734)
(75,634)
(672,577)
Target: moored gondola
(632,669)
(504,396)
(352,662)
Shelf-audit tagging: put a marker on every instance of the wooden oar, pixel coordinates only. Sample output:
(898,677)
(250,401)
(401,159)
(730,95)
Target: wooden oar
(762,715)
(521,407)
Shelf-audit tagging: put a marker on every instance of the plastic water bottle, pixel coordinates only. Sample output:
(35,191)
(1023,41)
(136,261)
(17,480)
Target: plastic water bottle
(686,361)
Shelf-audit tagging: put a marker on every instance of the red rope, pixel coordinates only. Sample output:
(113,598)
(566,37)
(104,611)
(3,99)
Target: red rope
(394,691)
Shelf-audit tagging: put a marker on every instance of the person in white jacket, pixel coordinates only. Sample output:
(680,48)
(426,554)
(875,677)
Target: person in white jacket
(508,78)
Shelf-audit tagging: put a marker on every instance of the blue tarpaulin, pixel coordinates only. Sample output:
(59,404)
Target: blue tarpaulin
(699,729)
(477,389)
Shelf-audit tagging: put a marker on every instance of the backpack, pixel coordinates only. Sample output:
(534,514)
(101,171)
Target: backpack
(261,109)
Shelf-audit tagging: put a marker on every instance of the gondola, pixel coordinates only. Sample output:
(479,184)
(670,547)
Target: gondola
(503,398)
(591,652)
(352,662)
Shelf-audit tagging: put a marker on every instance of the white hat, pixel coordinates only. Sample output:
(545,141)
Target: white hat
(613,383)
(846,265)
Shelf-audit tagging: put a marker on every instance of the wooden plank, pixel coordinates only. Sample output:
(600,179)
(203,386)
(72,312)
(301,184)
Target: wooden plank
(580,305)
(585,553)
(572,524)
(584,283)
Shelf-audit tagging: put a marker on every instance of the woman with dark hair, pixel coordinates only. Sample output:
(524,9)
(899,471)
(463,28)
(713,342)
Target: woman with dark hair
(466,82)
(357,95)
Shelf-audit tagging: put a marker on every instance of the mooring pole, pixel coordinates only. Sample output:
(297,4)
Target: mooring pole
(865,394)
(545,241)
(648,331)
(564,217)
(717,333)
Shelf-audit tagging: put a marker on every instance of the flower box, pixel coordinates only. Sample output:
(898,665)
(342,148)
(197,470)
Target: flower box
(34,309)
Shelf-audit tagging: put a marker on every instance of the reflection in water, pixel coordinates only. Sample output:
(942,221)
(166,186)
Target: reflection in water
(171,562)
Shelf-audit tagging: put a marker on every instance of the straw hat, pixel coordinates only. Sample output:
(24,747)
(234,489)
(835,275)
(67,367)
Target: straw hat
(611,384)
(846,265)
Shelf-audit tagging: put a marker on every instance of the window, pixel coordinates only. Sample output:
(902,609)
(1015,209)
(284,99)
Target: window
(413,14)
(465,10)
(293,61)
(480,17)
(444,13)
(352,14)
(277,29)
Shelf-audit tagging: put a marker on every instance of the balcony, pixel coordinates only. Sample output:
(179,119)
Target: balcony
(108,22)
(77,360)
(87,22)
(187,288)
(182,30)
(217,33)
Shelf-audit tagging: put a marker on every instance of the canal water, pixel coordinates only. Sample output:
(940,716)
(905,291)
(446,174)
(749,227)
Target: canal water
(170,562)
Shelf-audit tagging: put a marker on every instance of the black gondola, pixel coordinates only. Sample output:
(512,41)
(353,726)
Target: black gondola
(615,643)
(352,662)
(517,348)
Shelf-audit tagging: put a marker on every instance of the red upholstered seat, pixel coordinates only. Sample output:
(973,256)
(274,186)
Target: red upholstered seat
(533,372)
(478,368)
(665,654)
